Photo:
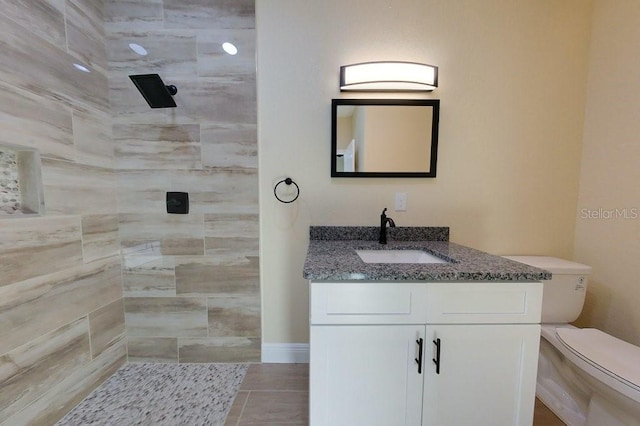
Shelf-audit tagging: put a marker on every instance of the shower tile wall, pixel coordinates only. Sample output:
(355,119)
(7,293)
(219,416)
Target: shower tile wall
(191,282)
(61,307)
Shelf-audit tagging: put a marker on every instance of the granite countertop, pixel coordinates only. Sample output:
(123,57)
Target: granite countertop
(332,256)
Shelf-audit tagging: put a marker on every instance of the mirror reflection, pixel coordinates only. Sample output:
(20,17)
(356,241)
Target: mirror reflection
(384,137)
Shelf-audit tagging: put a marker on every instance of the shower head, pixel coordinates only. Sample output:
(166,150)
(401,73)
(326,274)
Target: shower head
(154,90)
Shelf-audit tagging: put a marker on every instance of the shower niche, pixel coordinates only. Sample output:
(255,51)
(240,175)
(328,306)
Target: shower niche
(20,182)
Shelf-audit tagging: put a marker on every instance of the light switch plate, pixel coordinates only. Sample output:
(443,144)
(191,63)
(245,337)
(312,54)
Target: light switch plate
(401,201)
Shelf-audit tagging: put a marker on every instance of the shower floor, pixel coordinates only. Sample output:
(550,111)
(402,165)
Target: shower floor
(161,394)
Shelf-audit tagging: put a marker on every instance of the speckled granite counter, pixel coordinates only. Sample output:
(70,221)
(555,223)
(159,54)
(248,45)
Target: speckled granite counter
(332,256)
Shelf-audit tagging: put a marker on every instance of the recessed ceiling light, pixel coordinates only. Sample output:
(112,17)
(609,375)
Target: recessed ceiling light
(138,49)
(230,48)
(81,68)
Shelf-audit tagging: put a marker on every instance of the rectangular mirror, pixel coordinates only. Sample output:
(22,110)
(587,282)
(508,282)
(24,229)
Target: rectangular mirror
(384,137)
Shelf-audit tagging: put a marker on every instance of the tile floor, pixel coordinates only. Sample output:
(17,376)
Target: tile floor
(277,394)
(272,394)
(542,416)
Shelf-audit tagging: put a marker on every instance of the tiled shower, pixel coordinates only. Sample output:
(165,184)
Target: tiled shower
(104,273)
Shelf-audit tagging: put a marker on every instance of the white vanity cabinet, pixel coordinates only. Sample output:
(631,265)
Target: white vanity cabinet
(366,339)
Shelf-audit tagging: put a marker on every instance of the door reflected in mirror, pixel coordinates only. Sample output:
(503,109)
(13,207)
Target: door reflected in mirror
(384,137)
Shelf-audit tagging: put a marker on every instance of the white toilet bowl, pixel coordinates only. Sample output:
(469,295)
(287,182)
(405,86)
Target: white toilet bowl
(586,377)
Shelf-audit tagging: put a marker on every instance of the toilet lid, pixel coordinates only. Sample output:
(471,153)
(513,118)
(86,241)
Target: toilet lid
(615,357)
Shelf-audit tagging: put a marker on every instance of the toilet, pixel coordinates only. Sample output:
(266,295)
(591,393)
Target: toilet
(585,376)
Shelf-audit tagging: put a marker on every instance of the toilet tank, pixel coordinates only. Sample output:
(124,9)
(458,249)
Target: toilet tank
(563,295)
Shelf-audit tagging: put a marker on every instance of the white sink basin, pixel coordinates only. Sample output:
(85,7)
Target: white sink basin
(398,256)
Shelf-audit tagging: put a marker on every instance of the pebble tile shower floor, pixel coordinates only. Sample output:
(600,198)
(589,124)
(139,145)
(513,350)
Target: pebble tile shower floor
(161,395)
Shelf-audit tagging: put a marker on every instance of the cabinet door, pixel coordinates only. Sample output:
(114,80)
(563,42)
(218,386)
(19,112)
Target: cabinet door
(365,375)
(487,375)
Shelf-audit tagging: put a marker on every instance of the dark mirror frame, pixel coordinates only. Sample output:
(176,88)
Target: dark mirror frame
(435,103)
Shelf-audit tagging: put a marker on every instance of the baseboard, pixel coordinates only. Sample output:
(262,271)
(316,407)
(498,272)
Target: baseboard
(285,353)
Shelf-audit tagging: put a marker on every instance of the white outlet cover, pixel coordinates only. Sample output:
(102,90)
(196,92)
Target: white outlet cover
(401,201)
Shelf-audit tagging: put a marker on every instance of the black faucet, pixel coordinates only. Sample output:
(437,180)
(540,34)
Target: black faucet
(383,226)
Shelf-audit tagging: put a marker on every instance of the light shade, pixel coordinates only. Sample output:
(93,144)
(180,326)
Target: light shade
(388,77)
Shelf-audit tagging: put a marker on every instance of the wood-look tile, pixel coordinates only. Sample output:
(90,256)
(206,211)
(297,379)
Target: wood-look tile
(169,53)
(56,299)
(30,370)
(143,146)
(246,246)
(161,233)
(149,276)
(276,408)
(33,64)
(143,191)
(166,246)
(220,276)
(276,377)
(213,61)
(219,349)
(141,248)
(30,247)
(30,120)
(61,398)
(129,107)
(71,188)
(234,316)
(219,191)
(199,100)
(236,408)
(152,349)
(92,137)
(85,32)
(543,416)
(161,226)
(42,17)
(133,14)
(166,316)
(229,146)
(99,237)
(107,327)
(201,14)
(226,100)
(235,233)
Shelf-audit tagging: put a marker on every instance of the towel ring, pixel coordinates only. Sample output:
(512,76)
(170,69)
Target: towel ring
(287,181)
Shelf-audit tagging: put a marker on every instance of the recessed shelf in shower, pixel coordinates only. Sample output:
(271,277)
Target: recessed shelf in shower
(20,181)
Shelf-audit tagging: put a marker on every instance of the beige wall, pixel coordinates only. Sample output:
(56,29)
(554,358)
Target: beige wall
(359,133)
(191,283)
(397,139)
(344,132)
(61,311)
(610,173)
(512,86)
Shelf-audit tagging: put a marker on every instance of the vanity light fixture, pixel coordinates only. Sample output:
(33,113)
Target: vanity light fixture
(388,76)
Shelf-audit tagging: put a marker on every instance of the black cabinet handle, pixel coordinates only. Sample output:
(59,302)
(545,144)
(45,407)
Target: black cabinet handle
(419,359)
(436,360)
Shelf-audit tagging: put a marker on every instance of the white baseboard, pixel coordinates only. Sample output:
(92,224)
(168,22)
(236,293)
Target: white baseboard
(285,353)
